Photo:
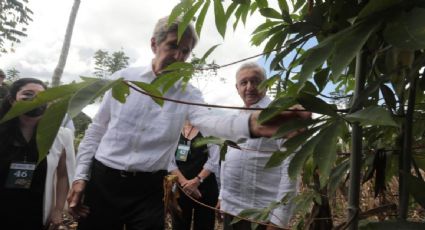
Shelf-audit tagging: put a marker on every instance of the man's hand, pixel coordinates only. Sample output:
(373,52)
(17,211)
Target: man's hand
(218,213)
(76,207)
(270,127)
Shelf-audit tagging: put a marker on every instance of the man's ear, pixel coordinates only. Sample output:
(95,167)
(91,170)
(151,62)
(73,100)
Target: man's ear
(10,99)
(236,85)
(153,45)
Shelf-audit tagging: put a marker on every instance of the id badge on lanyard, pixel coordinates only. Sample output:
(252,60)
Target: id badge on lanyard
(20,175)
(182,152)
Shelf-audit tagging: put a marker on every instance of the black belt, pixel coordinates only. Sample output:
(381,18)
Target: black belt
(122,173)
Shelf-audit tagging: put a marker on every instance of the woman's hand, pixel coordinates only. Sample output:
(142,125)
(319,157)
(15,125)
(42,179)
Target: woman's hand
(191,187)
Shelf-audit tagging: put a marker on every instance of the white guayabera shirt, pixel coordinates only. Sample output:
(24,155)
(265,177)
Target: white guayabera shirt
(246,184)
(140,135)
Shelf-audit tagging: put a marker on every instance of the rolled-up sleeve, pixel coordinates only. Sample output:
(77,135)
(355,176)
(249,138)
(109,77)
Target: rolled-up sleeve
(92,138)
(213,159)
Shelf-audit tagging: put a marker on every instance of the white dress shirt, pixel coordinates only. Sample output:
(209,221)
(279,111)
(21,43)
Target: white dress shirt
(246,184)
(140,135)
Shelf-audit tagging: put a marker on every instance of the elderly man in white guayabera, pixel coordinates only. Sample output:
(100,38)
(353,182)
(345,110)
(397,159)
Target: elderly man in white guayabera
(127,149)
(245,182)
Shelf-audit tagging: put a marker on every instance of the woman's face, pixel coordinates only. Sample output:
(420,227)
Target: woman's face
(28,92)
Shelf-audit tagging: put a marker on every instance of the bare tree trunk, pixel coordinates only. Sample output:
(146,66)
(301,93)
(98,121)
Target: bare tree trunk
(57,75)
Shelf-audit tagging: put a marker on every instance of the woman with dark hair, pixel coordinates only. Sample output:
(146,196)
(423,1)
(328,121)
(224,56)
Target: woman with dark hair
(32,195)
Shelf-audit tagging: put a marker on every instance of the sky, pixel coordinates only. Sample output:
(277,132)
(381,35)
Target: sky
(125,25)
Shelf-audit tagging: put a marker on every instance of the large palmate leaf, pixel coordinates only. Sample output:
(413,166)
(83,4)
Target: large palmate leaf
(407,30)
(276,107)
(376,6)
(348,46)
(324,155)
(300,156)
(316,105)
(373,115)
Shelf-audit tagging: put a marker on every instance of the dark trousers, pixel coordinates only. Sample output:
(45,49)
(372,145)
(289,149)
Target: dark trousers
(203,218)
(241,225)
(117,198)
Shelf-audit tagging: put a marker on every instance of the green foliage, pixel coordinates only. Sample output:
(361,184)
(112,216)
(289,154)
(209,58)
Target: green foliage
(106,64)
(14,18)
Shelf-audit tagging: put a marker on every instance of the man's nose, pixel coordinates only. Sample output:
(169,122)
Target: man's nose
(178,55)
(251,86)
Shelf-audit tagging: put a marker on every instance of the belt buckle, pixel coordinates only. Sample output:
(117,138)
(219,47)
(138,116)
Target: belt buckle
(125,174)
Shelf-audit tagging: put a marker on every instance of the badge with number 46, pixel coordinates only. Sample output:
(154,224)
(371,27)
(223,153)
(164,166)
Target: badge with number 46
(20,175)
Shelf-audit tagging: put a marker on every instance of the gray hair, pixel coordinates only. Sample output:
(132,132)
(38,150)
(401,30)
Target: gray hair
(252,65)
(162,29)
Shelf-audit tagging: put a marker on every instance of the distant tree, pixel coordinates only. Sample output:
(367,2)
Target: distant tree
(101,63)
(12,75)
(106,64)
(117,61)
(81,122)
(14,17)
(57,75)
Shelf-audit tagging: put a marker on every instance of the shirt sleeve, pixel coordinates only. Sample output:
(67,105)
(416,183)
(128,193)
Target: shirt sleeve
(92,137)
(173,164)
(231,127)
(282,214)
(213,157)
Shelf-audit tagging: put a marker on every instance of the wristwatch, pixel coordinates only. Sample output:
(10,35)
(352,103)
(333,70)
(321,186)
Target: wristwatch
(200,179)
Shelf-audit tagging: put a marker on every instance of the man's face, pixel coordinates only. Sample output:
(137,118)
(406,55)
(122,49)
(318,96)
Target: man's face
(169,51)
(247,81)
(2,77)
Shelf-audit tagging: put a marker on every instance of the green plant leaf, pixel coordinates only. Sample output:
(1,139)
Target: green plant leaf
(300,156)
(373,115)
(337,175)
(283,5)
(151,89)
(262,3)
(321,78)
(314,58)
(389,96)
(210,50)
(277,158)
(376,6)
(88,94)
(201,17)
(416,188)
(269,82)
(176,12)
(316,105)
(208,140)
(325,153)
(348,45)
(120,91)
(187,18)
(49,125)
(292,125)
(277,106)
(270,13)
(45,97)
(406,30)
(220,17)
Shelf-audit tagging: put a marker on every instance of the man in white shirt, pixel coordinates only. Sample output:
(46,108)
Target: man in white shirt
(245,183)
(126,150)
